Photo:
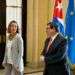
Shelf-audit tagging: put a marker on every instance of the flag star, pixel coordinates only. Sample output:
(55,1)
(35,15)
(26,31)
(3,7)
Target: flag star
(59,6)
(71,38)
(72,13)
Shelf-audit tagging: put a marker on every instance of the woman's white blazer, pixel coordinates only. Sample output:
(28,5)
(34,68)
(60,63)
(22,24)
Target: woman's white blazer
(17,53)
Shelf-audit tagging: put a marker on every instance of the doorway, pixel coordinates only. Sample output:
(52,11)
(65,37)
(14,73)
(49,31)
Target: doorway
(17,10)
(3,24)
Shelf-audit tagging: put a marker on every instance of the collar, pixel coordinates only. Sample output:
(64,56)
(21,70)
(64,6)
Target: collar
(54,37)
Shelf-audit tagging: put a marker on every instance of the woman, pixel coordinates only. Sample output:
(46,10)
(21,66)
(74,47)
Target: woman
(13,59)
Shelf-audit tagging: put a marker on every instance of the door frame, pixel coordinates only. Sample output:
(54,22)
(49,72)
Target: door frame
(24,28)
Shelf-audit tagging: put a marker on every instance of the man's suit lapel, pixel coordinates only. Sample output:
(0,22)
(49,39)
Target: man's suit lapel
(55,43)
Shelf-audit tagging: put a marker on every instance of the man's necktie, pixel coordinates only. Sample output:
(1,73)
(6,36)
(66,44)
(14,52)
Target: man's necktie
(49,44)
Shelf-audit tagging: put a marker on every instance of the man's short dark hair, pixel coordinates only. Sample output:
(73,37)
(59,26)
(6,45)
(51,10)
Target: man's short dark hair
(52,25)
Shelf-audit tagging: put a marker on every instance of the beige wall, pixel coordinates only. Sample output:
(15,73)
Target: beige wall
(39,12)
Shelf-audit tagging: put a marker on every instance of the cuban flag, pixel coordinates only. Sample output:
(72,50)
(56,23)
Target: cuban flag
(70,30)
(58,15)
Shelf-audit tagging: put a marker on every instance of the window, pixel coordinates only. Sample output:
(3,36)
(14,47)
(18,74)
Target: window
(14,12)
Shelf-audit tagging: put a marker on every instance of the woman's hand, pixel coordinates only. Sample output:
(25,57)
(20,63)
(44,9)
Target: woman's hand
(16,67)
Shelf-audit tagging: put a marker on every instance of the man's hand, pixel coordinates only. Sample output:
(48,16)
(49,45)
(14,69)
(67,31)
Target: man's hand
(41,58)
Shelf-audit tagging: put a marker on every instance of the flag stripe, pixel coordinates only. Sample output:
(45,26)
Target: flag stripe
(58,15)
(70,30)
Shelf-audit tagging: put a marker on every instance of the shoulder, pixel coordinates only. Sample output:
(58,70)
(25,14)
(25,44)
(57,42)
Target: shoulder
(62,38)
(7,36)
(19,37)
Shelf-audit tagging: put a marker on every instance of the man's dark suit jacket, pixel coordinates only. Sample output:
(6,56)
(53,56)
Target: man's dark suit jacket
(56,57)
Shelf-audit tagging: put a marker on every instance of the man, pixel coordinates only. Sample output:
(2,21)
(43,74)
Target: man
(54,52)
